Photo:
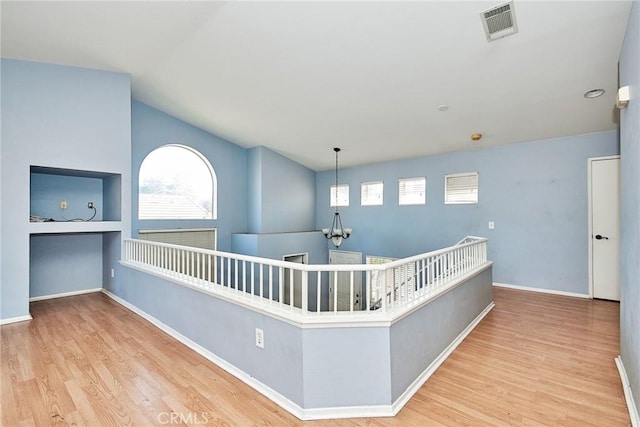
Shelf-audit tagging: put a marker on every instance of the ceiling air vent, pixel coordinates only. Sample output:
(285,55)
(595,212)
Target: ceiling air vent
(499,21)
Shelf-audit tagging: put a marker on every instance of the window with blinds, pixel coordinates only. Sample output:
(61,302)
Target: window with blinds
(371,193)
(204,238)
(412,191)
(461,188)
(342,198)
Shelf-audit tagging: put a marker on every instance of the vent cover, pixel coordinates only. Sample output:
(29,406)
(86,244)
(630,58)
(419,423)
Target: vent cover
(499,21)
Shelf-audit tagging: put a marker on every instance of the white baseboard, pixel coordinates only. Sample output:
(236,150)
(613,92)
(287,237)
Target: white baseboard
(15,319)
(347,412)
(541,290)
(628,395)
(65,294)
(424,376)
(292,407)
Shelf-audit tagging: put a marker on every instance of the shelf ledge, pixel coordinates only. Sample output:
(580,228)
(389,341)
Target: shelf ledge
(74,227)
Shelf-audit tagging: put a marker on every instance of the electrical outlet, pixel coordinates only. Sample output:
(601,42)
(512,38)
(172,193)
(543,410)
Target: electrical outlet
(492,225)
(63,204)
(90,205)
(113,273)
(259,338)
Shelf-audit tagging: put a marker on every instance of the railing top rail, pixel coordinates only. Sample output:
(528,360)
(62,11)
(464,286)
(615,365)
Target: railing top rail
(318,267)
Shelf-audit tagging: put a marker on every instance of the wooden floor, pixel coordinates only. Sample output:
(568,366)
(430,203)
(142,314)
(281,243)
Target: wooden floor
(536,359)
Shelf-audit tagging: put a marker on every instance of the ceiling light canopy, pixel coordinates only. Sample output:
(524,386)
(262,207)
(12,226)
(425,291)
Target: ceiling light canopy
(593,93)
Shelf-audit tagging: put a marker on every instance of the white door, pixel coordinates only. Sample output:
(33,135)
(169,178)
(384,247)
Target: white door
(340,291)
(605,228)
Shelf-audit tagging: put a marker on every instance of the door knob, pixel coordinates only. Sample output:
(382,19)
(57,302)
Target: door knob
(600,237)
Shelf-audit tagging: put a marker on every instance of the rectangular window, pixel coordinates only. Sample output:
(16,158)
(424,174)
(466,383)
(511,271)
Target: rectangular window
(371,193)
(412,191)
(461,188)
(342,196)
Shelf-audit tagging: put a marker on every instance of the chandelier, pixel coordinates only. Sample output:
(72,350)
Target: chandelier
(336,233)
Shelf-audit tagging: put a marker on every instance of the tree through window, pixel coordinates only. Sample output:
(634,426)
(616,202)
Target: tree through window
(176,182)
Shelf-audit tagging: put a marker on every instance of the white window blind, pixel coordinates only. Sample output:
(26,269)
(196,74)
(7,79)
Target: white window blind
(371,193)
(461,188)
(412,191)
(343,195)
(205,238)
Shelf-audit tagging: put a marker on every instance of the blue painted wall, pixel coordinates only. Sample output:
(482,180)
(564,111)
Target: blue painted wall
(254,190)
(630,209)
(151,129)
(535,192)
(48,190)
(346,367)
(63,263)
(59,117)
(444,320)
(225,329)
(281,192)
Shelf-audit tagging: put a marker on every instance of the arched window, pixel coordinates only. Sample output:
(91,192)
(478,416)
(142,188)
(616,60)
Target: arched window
(176,182)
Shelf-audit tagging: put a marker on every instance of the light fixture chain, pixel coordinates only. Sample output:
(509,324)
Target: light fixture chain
(336,150)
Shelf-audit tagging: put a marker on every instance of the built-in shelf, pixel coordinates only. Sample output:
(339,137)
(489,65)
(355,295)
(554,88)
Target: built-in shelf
(50,187)
(74,227)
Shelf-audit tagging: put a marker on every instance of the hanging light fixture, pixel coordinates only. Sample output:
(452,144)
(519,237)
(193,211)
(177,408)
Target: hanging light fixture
(336,233)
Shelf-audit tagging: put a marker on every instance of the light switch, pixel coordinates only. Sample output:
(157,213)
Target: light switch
(492,225)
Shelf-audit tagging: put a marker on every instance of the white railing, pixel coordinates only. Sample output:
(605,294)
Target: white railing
(311,290)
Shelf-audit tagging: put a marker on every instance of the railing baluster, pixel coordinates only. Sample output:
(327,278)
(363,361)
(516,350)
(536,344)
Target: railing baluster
(280,285)
(244,276)
(305,292)
(410,282)
(194,266)
(291,286)
(318,290)
(222,271)
(271,283)
(382,289)
(235,273)
(367,290)
(253,275)
(335,291)
(394,288)
(214,266)
(351,302)
(261,279)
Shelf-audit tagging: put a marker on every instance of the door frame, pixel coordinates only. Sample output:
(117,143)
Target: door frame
(332,285)
(305,260)
(590,162)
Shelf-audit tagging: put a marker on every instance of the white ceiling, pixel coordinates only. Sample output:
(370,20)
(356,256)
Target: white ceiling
(303,77)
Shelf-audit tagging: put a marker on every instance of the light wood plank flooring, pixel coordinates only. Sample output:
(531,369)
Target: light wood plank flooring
(534,360)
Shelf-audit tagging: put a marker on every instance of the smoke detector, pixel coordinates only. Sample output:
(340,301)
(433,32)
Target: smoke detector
(499,21)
